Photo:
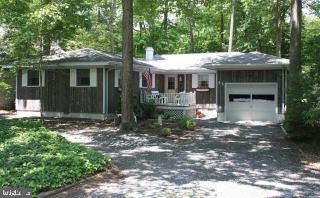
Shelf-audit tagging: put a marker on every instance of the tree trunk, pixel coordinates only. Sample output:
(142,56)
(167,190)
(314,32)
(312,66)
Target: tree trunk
(191,35)
(231,26)
(165,19)
(221,31)
(278,28)
(112,26)
(295,43)
(127,119)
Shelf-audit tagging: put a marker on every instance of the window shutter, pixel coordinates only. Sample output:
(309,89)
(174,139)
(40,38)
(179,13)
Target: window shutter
(140,79)
(73,77)
(194,81)
(24,78)
(153,81)
(93,77)
(43,76)
(116,77)
(212,81)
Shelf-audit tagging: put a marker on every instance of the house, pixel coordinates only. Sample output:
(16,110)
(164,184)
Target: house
(87,84)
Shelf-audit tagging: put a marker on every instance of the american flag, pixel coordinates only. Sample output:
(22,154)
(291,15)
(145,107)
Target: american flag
(147,75)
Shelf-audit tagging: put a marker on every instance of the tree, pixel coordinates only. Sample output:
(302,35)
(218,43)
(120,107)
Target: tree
(295,42)
(127,119)
(231,26)
(278,27)
(294,122)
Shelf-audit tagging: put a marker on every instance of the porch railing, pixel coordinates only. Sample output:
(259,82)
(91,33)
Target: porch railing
(170,99)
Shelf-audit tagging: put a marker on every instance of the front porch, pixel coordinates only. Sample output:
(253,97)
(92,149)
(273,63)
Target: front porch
(178,105)
(169,99)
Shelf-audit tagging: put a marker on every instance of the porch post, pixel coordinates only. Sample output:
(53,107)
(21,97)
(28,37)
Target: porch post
(185,83)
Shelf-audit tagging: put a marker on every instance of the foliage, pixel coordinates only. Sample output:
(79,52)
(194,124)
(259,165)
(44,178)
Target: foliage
(155,126)
(33,25)
(166,131)
(33,157)
(168,116)
(303,105)
(187,123)
(146,110)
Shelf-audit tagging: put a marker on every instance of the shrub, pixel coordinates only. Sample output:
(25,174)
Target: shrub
(303,106)
(168,116)
(187,123)
(155,126)
(146,110)
(166,131)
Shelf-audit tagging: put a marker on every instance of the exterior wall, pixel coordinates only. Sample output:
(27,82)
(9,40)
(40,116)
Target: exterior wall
(58,96)
(203,97)
(28,98)
(250,76)
(114,93)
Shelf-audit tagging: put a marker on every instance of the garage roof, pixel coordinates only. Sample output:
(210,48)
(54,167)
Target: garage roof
(254,60)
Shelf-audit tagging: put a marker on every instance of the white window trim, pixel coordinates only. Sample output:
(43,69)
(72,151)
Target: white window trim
(93,78)
(153,80)
(24,79)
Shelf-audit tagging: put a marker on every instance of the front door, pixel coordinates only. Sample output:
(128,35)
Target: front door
(171,84)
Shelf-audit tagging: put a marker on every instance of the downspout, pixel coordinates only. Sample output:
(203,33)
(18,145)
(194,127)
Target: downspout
(283,91)
(217,87)
(104,91)
(17,73)
(107,92)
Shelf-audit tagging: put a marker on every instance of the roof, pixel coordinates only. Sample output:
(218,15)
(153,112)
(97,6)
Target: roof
(247,60)
(86,56)
(204,61)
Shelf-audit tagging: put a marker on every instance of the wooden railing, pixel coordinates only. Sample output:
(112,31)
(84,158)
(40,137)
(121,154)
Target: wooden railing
(170,99)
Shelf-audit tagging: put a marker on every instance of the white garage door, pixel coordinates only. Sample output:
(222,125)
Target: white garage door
(256,102)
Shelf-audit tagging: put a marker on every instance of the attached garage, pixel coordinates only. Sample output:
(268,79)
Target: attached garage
(251,101)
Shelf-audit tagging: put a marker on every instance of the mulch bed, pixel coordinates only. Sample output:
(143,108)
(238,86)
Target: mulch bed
(177,132)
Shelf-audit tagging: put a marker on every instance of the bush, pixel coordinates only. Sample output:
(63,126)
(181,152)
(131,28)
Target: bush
(155,126)
(166,131)
(145,110)
(303,106)
(168,116)
(187,123)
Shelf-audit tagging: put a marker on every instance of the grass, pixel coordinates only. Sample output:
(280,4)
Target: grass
(33,157)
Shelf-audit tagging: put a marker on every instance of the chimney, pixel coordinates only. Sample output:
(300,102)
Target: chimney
(149,53)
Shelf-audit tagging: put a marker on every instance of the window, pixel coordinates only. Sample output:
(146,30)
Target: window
(263,97)
(83,77)
(203,80)
(239,97)
(33,78)
(171,83)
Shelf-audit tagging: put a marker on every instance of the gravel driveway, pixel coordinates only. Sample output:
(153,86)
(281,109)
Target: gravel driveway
(222,160)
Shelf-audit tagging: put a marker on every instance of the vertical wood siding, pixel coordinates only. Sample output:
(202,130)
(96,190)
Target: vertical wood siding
(58,96)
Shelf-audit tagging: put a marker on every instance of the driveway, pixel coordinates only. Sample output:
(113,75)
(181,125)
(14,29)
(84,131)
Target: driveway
(221,160)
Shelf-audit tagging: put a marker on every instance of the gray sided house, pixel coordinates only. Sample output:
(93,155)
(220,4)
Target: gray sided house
(77,84)
(87,84)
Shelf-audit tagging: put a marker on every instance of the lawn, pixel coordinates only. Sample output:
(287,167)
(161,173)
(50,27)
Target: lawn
(34,157)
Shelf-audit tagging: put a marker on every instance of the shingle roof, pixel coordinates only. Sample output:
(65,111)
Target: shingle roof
(204,61)
(86,55)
